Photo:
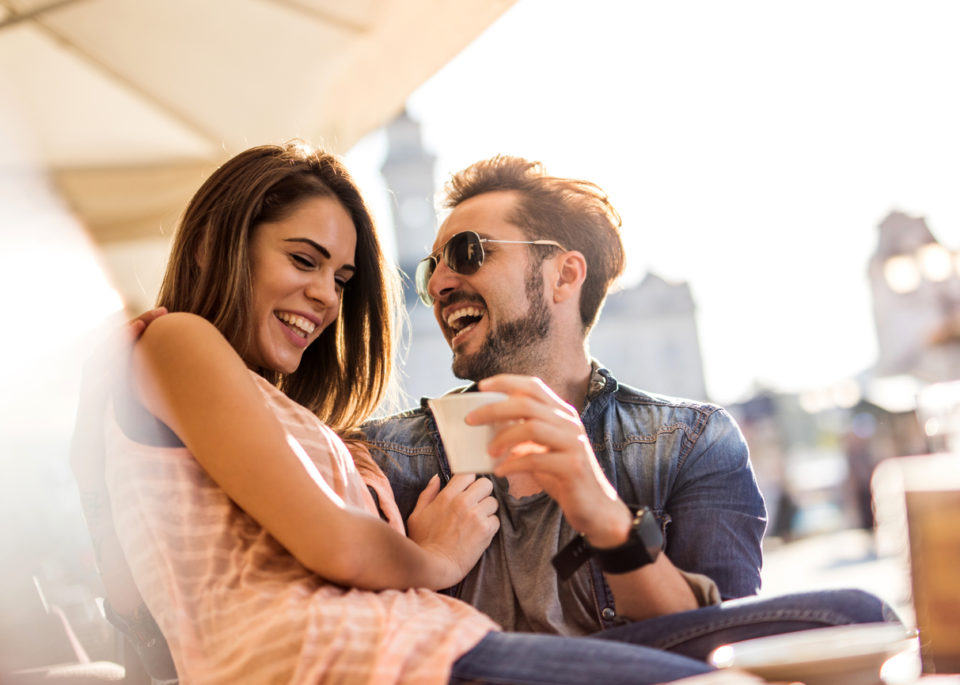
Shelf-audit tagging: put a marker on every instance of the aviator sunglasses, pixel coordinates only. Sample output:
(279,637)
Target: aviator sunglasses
(463,253)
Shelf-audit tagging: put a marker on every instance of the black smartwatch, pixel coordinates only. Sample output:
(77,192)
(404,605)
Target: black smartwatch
(642,547)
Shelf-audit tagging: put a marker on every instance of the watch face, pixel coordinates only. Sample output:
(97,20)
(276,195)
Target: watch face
(648,529)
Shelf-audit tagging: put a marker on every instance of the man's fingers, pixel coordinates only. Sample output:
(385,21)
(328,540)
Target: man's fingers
(135,329)
(516,408)
(550,436)
(152,315)
(137,326)
(515,384)
(534,464)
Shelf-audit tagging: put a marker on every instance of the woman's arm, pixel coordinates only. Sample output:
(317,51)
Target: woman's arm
(189,376)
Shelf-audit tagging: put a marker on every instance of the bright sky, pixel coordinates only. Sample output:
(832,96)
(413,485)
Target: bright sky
(751,148)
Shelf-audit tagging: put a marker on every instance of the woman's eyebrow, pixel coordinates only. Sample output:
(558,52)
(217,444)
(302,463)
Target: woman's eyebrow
(319,248)
(315,245)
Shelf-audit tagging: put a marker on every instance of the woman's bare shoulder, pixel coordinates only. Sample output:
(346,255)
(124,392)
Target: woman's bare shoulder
(182,366)
(186,345)
(176,324)
(182,331)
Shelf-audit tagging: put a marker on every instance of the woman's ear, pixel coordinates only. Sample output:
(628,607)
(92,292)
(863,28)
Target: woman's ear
(570,275)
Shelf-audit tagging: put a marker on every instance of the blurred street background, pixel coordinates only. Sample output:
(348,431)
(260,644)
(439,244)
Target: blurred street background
(786,174)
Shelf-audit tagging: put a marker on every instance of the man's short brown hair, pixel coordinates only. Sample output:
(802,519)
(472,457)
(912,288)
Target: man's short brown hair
(577,214)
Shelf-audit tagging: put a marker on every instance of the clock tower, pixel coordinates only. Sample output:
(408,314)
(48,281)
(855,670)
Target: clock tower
(408,172)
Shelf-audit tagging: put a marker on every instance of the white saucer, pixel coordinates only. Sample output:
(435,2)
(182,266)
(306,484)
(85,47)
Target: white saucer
(851,655)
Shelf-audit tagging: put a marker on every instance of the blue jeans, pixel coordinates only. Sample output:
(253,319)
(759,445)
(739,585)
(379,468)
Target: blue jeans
(696,633)
(660,649)
(533,659)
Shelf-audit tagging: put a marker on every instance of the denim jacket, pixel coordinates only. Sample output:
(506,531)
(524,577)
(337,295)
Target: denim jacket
(686,460)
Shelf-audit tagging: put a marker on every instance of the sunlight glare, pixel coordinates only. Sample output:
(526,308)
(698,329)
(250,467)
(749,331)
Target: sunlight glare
(936,262)
(902,274)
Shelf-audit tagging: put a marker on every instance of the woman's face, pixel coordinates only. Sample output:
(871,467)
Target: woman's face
(300,266)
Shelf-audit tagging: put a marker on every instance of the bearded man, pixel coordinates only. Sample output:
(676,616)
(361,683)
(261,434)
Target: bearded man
(636,515)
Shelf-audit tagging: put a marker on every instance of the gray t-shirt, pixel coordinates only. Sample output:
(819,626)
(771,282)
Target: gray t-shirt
(505,584)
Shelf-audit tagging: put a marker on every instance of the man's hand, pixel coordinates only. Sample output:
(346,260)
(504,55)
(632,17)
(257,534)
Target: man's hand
(543,436)
(456,522)
(137,326)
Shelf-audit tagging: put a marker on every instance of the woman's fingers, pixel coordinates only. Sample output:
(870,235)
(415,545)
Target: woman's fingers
(479,488)
(488,505)
(429,493)
(459,482)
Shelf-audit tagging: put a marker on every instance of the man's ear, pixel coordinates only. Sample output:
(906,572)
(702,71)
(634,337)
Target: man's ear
(571,271)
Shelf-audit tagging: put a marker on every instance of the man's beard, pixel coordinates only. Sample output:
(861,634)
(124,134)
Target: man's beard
(512,347)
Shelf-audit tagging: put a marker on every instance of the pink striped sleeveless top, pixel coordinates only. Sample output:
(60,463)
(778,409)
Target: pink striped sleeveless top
(236,607)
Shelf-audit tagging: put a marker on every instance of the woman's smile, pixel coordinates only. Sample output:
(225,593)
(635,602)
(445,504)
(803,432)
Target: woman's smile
(301,326)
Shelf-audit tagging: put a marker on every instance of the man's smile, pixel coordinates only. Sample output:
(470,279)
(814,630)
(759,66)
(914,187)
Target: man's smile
(461,319)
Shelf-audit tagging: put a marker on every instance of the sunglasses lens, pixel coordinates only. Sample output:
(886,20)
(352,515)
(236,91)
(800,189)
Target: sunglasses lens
(464,253)
(425,270)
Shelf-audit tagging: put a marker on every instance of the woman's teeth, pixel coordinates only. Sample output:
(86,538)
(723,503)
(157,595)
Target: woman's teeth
(299,325)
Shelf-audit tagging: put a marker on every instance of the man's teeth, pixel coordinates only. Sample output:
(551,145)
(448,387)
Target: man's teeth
(463,330)
(454,318)
(301,326)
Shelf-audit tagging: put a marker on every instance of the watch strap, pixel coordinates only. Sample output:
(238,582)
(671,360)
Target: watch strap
(573,555)
(641,548)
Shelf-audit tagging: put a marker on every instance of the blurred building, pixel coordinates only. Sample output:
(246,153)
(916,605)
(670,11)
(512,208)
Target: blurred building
(915,283)
(408,171)
(815,463)
(409,174)
(646,334)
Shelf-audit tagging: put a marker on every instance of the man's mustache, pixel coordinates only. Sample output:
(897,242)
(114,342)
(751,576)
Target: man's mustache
(460,296)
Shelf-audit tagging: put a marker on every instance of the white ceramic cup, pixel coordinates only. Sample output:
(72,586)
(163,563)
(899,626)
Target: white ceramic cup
(466,446)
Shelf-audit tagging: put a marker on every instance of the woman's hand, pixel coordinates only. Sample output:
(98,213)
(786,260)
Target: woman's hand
(454,524)
(542,436)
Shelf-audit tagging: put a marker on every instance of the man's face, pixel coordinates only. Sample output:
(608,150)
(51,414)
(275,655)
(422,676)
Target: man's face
(495,320)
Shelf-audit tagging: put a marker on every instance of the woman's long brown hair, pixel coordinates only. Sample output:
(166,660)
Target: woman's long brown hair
(345,373)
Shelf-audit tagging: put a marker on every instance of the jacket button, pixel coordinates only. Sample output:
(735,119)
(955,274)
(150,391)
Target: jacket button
(608,614)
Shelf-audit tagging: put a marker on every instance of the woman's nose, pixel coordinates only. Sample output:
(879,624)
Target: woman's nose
(323,289)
